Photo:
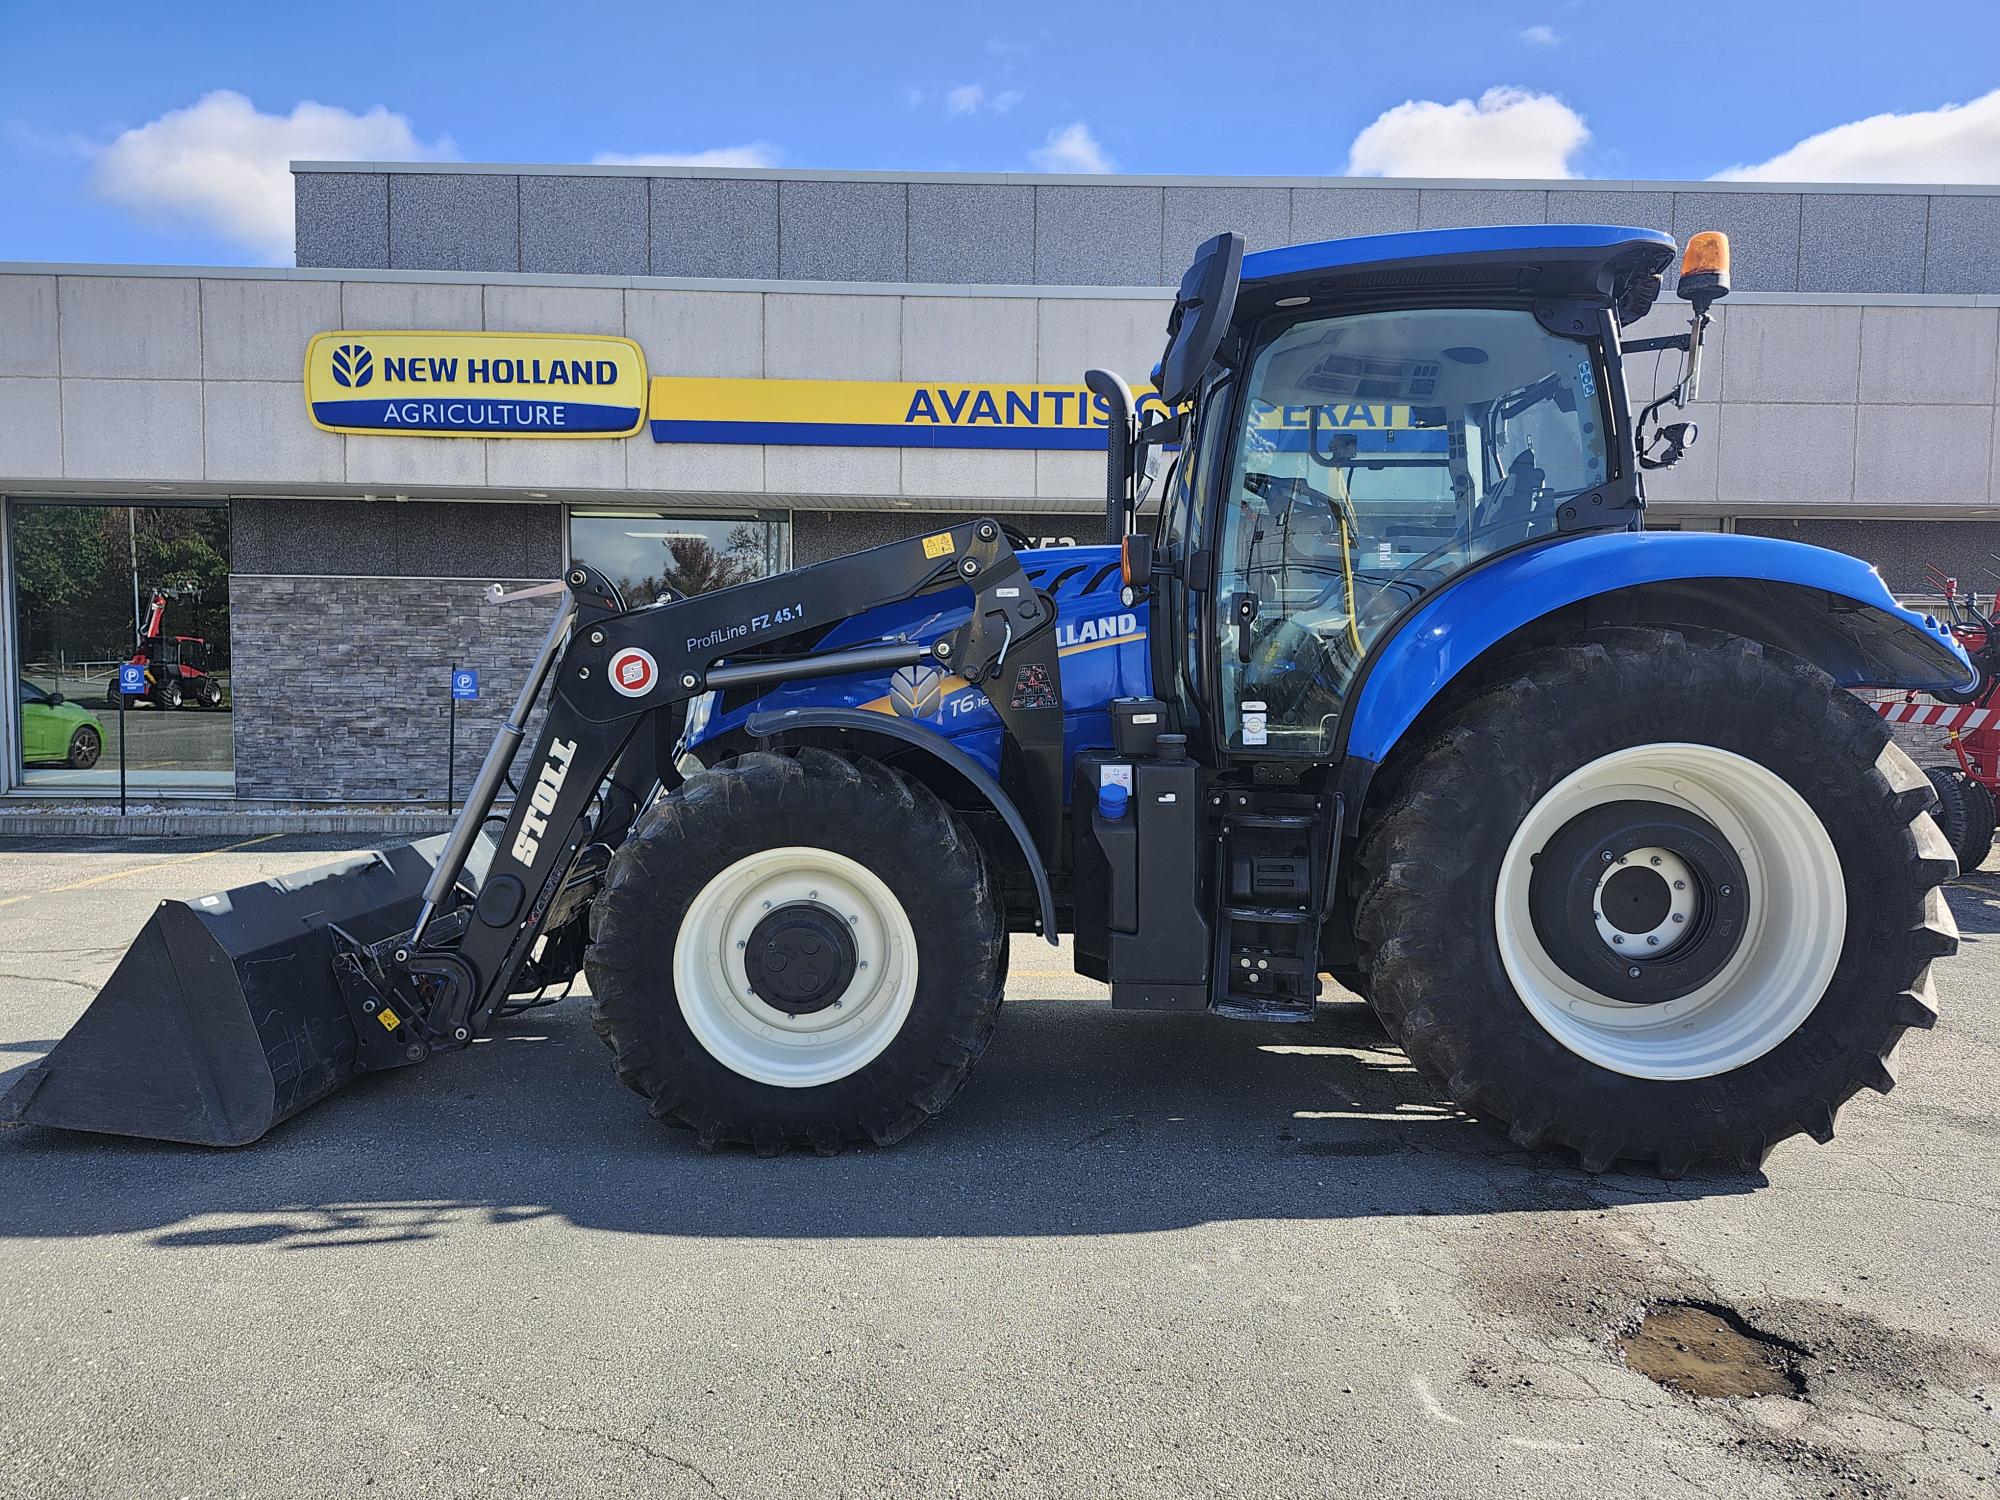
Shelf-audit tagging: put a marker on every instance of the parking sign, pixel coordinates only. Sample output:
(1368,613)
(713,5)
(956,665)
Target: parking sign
(465,683)
(131,679)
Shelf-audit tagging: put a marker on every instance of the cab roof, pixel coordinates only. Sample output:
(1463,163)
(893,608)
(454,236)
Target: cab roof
(1596,261)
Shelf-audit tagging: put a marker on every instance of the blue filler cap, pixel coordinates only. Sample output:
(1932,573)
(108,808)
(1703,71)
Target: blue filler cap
(1111,800)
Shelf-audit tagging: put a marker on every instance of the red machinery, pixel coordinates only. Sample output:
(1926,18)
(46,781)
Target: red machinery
(177,666)
(1971,722)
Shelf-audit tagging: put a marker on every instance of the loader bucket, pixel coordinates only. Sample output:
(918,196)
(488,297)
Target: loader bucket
(224,1017)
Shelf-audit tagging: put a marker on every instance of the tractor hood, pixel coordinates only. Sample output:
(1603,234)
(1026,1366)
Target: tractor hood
(1102,643)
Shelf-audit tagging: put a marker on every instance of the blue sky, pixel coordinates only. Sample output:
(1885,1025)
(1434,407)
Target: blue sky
(115,145)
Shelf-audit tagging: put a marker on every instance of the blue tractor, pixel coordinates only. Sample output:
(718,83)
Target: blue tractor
(1398,688)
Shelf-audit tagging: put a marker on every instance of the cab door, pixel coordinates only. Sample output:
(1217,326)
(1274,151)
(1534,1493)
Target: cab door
(1373,457)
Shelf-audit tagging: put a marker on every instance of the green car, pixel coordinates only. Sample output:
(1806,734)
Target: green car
(54,731)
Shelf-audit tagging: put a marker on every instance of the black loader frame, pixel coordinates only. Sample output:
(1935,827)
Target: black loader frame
(606,743)
(238,1010)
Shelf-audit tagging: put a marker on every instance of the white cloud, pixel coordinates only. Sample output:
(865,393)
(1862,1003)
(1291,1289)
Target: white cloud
(1507,132)
(1953,143)
(1070,148)
(225,166)
(970,98)
(750,154)
(1541,36)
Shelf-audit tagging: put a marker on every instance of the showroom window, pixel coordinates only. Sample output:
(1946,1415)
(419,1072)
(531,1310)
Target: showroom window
(100,585)
(644,552)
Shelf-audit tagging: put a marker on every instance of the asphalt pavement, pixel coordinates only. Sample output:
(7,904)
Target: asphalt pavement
(1141,1255)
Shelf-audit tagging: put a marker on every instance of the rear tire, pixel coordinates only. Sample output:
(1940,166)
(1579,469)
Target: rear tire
(1979,819)
(1964,815)
(710,943)
(168,693)
(1799,959)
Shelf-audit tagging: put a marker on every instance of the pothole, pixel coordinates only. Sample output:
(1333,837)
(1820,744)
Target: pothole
(1702,1349)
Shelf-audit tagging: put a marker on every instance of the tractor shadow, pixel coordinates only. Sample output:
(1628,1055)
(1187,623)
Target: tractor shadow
(1078,1121)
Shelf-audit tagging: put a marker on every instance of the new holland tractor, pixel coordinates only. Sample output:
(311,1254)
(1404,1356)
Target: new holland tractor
(1399,689)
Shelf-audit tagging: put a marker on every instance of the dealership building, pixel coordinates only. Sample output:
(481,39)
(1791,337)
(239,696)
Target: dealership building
(708,375)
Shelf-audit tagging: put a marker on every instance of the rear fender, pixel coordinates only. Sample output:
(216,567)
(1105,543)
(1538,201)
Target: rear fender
(1831,609)
(777,722)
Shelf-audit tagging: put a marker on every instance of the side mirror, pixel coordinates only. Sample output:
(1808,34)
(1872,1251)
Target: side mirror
(1136,559)
(56,700)
(1200,317)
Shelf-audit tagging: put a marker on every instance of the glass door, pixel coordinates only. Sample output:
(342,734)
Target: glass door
(98,587)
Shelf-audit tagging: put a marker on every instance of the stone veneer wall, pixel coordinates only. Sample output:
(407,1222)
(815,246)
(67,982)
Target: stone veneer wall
(343,687)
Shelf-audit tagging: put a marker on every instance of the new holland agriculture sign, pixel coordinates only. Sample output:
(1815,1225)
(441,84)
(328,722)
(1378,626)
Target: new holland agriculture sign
(545,385)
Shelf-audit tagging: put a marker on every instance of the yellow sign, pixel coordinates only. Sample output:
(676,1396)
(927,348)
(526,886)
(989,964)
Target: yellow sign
(916,414)
(546,385)
(939,545)
(881,413)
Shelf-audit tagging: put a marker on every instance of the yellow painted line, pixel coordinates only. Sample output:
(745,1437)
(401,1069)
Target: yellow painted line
(185,859)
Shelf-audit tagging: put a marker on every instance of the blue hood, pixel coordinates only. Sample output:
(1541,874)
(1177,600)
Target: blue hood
(1101,641)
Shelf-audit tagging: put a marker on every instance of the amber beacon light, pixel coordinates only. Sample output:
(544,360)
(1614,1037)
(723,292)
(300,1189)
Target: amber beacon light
(1705,269)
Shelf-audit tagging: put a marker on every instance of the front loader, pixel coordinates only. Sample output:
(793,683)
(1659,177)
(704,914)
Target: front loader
(1397,688)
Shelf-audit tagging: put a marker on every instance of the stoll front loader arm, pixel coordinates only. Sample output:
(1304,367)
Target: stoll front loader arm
(238,1010)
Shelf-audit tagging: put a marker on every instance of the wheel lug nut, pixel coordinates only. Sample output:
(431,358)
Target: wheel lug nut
(1725,890)
(1656,859)
(1679,918)
(1652,942)
(1607,856)
(1620,940)
(1680,885)
(1631,973)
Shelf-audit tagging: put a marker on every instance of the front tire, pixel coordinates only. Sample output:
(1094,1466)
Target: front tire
(85,746)
(1656,896)
(797,950)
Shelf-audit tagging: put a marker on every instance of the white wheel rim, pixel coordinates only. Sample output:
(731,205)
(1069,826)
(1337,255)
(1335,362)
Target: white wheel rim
(1792,939)
(758,1040)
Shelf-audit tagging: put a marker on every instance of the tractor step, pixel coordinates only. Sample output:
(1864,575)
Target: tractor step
(1286,916)
(1270,868)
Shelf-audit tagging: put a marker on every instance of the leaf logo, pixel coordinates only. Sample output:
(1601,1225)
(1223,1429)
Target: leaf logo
(353,365)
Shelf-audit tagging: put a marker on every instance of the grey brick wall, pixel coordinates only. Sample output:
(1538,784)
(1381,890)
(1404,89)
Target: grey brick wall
(342,684)
(1109,231)
(396,539)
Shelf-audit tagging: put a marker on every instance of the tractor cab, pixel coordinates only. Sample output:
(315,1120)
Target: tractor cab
(1377,416)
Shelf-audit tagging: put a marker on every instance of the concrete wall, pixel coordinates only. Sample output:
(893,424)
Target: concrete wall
(1092,231)
(122,380)
(115,378)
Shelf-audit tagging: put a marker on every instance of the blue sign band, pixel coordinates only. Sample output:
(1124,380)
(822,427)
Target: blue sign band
(475,414)
(1073,439)
(872,435)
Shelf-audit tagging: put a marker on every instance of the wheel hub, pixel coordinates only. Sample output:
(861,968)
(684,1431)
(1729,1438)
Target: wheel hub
(800,959)
(1643,902)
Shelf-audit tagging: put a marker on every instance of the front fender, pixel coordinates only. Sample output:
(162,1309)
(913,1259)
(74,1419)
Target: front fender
(768,723)
(1832,609)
